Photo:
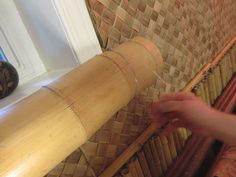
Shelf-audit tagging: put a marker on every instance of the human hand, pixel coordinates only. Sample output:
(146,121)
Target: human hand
(183,109)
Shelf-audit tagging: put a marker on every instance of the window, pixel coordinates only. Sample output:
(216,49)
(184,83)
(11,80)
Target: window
(45,38)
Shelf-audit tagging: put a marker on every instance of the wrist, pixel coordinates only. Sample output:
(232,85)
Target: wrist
(214,123)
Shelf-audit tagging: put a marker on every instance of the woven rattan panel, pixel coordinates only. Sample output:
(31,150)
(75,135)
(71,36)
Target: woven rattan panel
(187,32)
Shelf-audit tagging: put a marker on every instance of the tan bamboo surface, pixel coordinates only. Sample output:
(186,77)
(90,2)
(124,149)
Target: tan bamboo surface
(41,130)
(188,33)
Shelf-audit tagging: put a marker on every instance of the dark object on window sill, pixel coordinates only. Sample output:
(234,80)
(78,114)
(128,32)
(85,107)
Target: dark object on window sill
(9,79)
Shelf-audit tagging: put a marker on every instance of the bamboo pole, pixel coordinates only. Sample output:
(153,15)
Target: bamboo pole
(41,130)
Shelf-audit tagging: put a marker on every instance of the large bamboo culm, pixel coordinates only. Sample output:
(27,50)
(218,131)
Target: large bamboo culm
(33,132)
(152,153)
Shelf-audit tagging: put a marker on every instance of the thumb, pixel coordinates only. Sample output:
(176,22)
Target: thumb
(171,126)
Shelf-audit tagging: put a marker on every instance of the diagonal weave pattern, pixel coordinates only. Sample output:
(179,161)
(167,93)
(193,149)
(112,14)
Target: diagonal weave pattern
(187,32)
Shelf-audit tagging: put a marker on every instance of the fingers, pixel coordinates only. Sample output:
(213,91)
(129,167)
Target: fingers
(167,107)
(162,119)
(170,98)
(179,96)
(171,127)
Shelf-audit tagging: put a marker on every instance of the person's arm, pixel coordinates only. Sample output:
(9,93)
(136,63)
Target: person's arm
(186,110)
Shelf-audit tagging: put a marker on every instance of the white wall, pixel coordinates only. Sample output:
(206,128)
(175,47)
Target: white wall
(47,33)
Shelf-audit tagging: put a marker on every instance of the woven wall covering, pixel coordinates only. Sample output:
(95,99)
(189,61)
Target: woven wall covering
(188,34)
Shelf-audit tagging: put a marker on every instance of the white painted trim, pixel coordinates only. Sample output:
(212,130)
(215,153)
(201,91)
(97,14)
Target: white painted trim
(30,87)
(18,44)
(78,27)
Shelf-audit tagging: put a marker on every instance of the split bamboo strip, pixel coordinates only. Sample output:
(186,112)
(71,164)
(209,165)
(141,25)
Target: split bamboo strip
(202,90)
(161,154)
(227,68)
(73,108)
(177,141)
(138,168)
(181,136)
(132,169)
(211,88)
(230,68)
(150,160)
(197,91)
(233,59)
(223,77)
(172,146)
(206,89)
(156,157)
(220,87)
(166,150)
(126,173)
(214,85)
(184,134)
(144,165)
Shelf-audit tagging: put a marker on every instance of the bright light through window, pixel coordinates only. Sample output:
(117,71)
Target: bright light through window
(2,55)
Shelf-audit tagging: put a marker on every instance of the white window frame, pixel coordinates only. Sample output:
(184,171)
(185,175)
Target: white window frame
(17,44)
(78,27)
(80,33)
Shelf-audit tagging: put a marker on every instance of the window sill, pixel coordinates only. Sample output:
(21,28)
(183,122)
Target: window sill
(30,87)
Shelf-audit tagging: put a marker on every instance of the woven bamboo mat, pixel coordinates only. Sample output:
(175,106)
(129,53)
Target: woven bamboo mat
(187,32)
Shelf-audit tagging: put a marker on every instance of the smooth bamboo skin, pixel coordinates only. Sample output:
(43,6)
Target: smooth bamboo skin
(41,130)
(35,140)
